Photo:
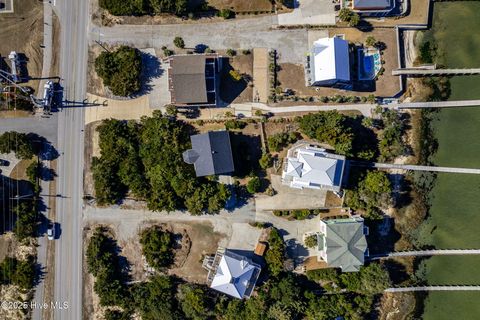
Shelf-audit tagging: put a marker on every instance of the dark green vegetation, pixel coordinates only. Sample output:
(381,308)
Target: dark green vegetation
(391,143)
(266,161)
(346,134)
(253,185)
(18,272)
(157,247)
(350,17)
(24,209)
(17,142)
(104,264)
(368,192)
(142,7)
(145,158)
(311,241)
(275,256)
(281,296)
(27,220)
(297,214)
(279,141)
(120,70)
(456,131)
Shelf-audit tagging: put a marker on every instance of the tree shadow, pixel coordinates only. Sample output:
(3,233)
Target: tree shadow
(43,147)
(151,69)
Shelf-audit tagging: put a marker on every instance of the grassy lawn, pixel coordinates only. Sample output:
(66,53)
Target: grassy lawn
(452,305)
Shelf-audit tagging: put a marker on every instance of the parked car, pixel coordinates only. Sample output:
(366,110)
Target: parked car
(51,232)
(4,162)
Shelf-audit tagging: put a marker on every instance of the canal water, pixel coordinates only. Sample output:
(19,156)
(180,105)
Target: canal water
(454,220)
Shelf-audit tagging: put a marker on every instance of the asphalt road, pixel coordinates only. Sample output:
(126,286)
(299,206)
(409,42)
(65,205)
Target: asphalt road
(292,45)
(45,127)
(73,16)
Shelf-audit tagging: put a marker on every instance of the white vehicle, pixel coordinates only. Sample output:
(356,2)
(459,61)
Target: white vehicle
(51,232)
(47,93)
(14,60)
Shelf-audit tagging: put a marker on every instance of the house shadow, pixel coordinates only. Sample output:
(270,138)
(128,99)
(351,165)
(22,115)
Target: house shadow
(230,88)
(246,149)
(382,235)
(151,69)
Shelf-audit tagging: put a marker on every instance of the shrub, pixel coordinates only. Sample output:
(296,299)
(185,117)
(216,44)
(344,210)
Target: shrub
(370,41)
(254,185)
(235,75)
(311,241)
(279,141)
(231,52)
(266,161)
(179,43)
(226,13)
(234,124)
(246,51)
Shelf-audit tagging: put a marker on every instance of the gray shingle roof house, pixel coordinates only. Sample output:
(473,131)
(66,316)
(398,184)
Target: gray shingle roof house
(211,153)
(373,7)
(371,4)
(192,79)
(342,243)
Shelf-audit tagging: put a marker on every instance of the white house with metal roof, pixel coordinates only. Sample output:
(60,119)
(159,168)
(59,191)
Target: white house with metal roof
(342,243)
(329,63)
(313,167)
(232,274)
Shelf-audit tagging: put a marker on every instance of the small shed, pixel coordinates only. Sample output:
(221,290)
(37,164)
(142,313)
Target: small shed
(260,249)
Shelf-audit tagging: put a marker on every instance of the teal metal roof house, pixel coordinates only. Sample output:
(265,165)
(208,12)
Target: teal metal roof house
(342,243)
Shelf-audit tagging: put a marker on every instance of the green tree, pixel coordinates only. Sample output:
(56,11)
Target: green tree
(193,302)
(157,247)
(155,299)
(18,143)
(253,185)
(26,219)
(275,255)
(179,43)
(120,70)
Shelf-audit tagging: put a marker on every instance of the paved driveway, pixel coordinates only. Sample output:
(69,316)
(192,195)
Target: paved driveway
(242,34)
(319,12)
(290,198)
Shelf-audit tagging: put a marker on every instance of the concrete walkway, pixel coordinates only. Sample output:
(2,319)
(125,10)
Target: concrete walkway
(48,44)
(436,104)
(364,109)
(434,288)
(424,168)
(420,253)
(435,72)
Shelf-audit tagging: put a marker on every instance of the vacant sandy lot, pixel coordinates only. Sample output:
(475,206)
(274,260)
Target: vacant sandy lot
(22,31)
